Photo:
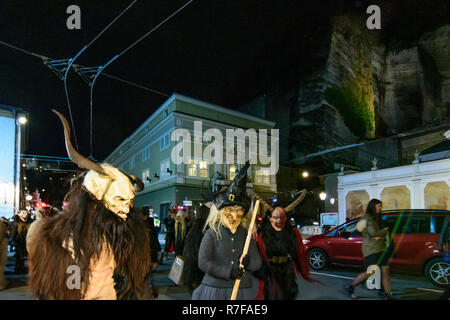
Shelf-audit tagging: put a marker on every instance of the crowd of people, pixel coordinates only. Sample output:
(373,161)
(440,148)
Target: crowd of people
(113,247)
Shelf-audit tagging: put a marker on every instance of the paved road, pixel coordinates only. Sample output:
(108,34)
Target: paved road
(405,287)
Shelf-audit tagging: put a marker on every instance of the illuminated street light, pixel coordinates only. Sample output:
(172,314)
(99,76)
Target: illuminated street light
(305,174)
(322,196)
(28,198)
(22,120)
(332,200)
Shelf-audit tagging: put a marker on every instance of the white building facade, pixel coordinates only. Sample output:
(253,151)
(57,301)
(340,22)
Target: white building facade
(417,186)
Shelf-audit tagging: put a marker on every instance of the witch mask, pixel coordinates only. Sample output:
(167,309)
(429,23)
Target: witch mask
(232,216)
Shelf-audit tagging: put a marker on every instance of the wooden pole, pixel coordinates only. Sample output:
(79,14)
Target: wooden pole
(246,246)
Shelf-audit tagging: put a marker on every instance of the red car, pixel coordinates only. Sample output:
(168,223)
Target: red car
(416,240)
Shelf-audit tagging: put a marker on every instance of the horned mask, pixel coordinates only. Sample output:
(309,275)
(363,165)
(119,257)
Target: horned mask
(278,215)
(105,182)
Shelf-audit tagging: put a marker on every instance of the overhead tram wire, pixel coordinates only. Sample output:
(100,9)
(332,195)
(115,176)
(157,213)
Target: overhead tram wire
(134,84)
(103,74)
(72,60)
(155,28)
(128,82)
(101,68)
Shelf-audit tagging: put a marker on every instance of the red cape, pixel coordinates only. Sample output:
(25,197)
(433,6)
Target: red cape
(301,266)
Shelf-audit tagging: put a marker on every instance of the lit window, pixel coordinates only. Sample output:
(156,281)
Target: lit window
(192,168)
(203,169)
(262,176)
(165,164)
(145,175)
(232,172)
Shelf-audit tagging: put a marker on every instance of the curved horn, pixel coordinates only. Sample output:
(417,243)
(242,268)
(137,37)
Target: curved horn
(297,201)
(263,202)
(137,183)
(78,159)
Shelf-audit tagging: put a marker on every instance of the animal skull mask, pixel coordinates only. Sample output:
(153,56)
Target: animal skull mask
(114,189)
(106,183)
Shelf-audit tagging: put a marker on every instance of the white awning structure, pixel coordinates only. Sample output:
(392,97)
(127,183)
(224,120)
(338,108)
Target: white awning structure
(417,186)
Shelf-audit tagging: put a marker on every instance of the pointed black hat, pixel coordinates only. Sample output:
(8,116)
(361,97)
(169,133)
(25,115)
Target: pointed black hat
(236,193)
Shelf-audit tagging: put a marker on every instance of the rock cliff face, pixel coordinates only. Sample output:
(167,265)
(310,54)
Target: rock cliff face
(403,89)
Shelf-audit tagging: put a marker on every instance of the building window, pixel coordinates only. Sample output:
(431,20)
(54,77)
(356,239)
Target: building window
(146,154)
(232,172)
(164,142)
(131,164)
(262,176)
(203,169)
(165,164)
(192,168)
(145,175)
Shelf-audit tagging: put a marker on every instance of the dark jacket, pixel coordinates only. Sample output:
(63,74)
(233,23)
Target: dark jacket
(445,233)
(216,257)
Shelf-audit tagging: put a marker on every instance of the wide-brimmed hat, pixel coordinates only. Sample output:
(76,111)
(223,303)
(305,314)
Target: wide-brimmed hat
(236,193)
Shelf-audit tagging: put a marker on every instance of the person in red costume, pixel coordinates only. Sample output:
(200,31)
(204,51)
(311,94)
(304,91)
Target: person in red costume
(284,256)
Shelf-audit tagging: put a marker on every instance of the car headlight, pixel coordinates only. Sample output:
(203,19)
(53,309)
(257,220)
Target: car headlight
(306,241)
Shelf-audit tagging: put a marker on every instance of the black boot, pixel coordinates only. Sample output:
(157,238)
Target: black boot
(350,289)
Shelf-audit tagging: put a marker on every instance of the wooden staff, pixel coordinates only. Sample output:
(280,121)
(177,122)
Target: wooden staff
(246,246)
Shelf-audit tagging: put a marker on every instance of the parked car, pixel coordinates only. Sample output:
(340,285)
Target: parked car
(416,238)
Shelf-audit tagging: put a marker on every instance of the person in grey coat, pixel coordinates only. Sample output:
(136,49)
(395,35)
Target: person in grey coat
(220,253)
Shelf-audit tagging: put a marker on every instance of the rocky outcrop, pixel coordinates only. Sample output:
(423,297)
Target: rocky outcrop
(403,89)
(436,49)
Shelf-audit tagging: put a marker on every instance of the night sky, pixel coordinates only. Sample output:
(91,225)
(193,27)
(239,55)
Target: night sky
(224,52)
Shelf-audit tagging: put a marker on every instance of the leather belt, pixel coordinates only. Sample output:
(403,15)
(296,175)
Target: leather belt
(278,259)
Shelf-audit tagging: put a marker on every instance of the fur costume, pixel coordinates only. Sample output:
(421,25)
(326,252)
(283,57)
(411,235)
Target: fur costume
(95,233)
(101,235)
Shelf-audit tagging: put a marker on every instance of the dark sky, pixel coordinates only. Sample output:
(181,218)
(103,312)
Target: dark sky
(221,51)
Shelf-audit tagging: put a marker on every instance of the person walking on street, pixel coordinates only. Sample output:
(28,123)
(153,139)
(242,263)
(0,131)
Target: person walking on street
(192,275)
(444,245)
(170,235)
(18,230)
(220,254)
(3,254)
(374,248)
(155,247)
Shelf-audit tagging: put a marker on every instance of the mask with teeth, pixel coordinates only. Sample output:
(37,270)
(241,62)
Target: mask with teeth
(105,182)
